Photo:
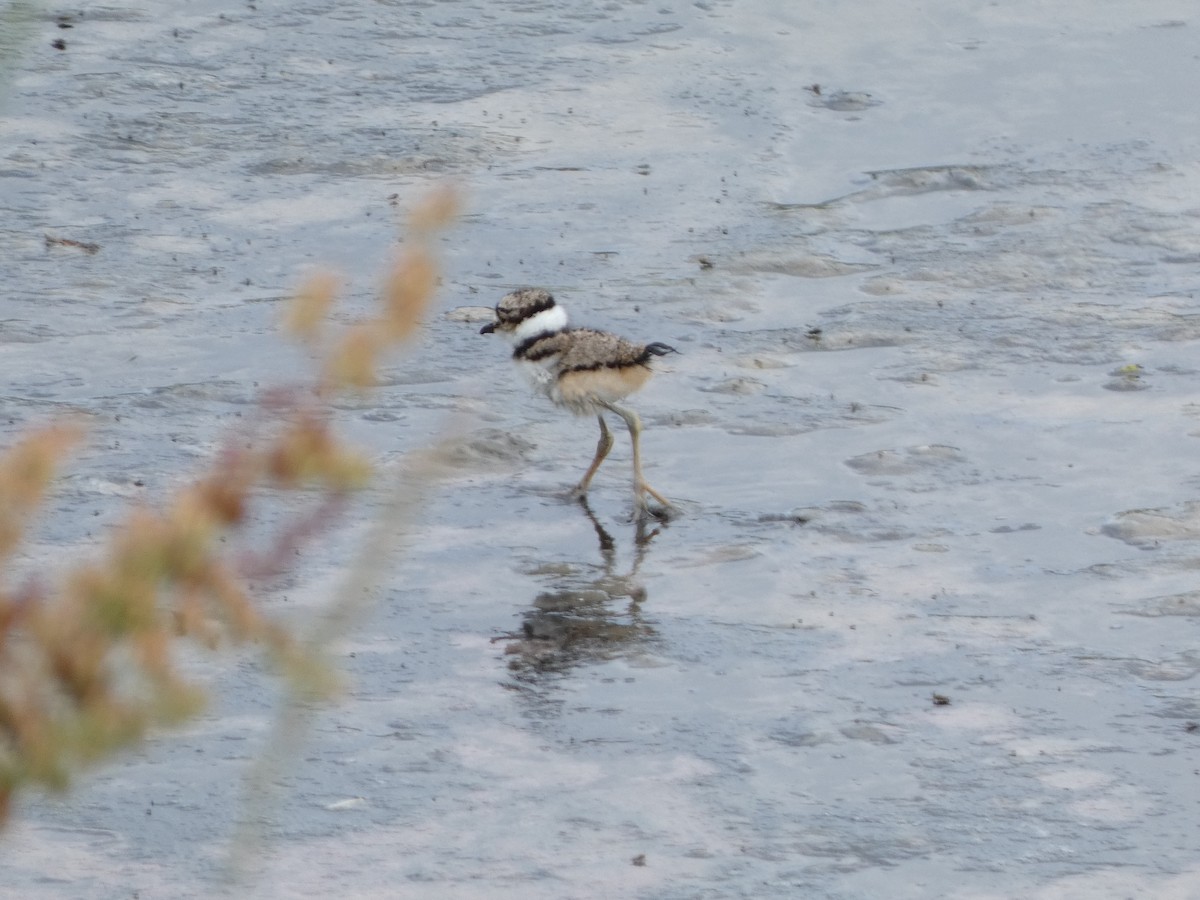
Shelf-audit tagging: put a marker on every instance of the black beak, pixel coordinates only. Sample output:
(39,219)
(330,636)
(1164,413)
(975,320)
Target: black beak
(489,328)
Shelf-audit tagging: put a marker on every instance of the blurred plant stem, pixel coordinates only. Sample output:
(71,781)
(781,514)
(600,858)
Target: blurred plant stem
(406,294)
(409,488)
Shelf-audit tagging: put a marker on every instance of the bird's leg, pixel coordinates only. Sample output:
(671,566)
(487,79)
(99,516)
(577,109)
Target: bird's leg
(640,487)
(602,448)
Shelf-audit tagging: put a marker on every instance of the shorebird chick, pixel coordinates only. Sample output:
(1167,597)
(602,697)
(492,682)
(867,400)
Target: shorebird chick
(582,370)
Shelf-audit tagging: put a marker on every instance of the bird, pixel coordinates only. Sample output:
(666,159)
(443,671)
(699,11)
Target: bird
(584,371)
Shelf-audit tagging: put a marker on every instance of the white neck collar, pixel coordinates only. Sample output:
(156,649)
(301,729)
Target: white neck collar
(548,320)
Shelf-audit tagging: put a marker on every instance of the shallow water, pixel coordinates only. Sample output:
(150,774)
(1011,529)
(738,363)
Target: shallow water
(930,432)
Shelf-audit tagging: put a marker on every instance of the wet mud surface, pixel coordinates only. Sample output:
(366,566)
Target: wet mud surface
(927,624)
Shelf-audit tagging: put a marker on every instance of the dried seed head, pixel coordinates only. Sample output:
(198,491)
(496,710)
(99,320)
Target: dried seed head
(435,211)
(407,292)
(351,363)
(25,472)
(307,311)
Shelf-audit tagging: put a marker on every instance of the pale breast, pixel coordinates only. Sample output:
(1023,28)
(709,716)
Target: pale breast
(539,358)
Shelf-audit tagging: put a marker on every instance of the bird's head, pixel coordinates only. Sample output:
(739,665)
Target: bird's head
(525,312)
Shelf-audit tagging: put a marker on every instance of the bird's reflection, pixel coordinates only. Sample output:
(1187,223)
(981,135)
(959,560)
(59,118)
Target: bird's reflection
(590,613)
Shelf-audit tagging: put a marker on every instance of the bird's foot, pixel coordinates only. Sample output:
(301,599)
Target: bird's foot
(643,511)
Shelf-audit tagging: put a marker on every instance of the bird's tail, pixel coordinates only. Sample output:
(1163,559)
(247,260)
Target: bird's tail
(659,349)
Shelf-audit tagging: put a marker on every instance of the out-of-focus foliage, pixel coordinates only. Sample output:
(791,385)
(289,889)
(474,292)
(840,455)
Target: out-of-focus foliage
(88,657)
